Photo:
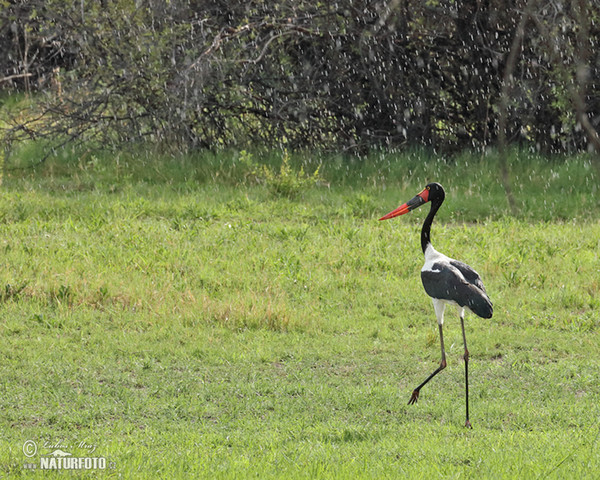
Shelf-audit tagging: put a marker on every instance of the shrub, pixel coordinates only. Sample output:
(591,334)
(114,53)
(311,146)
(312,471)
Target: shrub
(285,182)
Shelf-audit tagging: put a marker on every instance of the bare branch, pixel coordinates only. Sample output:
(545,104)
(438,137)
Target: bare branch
(507,82)
(12,77)
(581,77)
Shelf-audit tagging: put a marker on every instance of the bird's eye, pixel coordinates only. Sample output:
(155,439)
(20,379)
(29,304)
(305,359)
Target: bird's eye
(428,187)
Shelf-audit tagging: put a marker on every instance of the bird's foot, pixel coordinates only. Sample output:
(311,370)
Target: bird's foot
(468,424)
(414,397)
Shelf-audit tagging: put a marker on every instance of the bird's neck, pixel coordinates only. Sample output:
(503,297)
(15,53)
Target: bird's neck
(426,230)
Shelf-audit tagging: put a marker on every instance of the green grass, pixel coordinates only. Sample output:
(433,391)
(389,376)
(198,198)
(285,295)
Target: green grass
(189,324)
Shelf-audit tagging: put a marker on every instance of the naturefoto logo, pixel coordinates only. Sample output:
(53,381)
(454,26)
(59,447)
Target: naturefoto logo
(59,456)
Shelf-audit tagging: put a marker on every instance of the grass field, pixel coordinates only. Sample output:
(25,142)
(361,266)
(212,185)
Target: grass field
(179,317)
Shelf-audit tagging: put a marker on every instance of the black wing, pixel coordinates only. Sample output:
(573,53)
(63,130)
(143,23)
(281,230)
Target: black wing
(470,275)
(446,281)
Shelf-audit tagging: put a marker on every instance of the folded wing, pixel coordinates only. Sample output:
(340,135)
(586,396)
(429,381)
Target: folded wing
(457,282)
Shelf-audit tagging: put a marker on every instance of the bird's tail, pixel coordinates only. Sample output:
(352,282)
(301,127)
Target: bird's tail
(481,306)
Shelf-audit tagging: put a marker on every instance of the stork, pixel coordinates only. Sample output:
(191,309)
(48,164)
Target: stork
(446,281)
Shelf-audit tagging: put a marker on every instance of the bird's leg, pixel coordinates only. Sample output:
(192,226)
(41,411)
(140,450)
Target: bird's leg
(466,357)
(415,394)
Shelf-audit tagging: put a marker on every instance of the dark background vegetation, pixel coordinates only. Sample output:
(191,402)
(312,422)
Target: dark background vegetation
(347,75)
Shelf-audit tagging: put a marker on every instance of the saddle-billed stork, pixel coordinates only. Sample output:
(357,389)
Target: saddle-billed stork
(446,281)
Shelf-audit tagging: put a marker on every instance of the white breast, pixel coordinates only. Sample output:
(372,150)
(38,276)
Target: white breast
(433,256)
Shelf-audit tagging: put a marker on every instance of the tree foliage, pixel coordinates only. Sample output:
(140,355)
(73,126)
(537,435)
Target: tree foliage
(350,74)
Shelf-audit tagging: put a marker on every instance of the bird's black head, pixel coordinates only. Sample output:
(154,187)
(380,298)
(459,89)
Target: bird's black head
(433,192)
(436,192)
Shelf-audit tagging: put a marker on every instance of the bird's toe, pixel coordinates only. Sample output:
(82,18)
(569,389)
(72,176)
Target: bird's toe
(414,397)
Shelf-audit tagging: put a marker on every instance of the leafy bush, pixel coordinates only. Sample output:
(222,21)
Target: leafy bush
(285,182)
(344,76)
